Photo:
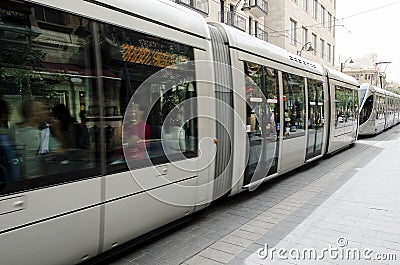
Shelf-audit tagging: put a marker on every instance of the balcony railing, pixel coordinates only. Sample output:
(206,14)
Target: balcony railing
(201,6)
(259,7)
(261,34)
(234,19)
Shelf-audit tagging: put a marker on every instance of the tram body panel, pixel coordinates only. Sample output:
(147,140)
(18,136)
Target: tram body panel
(50,219)
(291,150)
(54,241)
(131,216)
(344,110)
(244,127)
(160,194)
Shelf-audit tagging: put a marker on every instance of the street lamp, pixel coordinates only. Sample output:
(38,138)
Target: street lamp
(245,7)
(348,60)
(381,73)
(306,47)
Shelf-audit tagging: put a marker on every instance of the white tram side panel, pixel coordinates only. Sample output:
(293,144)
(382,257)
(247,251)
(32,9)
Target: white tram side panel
(293,95)
(391,109)
(83,191)
(344,107)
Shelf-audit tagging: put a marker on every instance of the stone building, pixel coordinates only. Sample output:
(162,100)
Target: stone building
(305,27)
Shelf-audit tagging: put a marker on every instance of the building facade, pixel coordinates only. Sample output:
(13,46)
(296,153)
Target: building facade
(305,27)
(368,69)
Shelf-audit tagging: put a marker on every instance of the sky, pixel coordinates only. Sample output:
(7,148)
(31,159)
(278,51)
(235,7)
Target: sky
(369,26)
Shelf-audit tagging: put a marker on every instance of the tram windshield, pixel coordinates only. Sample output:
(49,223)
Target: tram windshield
(366,110)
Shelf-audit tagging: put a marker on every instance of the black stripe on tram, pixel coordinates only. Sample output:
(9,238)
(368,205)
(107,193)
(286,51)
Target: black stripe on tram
(126,12)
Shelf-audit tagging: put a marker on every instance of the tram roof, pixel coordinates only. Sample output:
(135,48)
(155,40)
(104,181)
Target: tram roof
(337,75)
(243,41)
(163,12)
(365,86)
(372,88)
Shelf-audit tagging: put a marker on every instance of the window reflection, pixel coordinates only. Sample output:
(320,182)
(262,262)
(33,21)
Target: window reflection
(262,92)
(156,123)
(55,121)
(294,105)
(46,83)
(346,104)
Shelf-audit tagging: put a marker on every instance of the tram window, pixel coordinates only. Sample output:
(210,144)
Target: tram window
(294,105)
(380,109)
(339,106)
(266,81)
(356,101)
(362,93)
(157,125)
(346,105)
(316,103)
(366,109)
(349,116)
(262,92)
(46,84)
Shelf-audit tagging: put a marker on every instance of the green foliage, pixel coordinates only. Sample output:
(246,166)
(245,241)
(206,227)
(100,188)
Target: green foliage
(394,90)
(22,56)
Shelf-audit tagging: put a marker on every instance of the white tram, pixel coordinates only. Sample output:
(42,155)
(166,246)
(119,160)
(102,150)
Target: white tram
(380,109)
(246,111)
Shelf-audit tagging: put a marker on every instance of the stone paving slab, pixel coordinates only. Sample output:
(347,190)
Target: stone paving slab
(347,203)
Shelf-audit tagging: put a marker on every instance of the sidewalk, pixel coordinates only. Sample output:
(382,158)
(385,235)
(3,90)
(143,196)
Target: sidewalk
(343,209)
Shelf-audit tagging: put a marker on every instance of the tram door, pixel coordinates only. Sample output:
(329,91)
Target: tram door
(315,118)
(262,123)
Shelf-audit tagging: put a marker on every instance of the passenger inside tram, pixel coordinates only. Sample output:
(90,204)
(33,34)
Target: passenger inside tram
(136,131)
(29,138)
(9,163)
(173,133)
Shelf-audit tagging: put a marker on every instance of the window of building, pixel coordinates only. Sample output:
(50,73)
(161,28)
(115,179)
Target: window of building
(315,9)
(322,48)
(222,10)
(294,105)
(304,36)
(329,52)
(305,5)
(256,33)
(330,24)
(250,25)
(293,29)
(314,43)
(322,18)
(49,15)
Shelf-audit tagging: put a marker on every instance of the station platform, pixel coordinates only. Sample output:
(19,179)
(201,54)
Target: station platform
(343,209)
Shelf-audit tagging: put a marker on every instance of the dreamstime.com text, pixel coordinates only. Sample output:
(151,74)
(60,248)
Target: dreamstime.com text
(339,252)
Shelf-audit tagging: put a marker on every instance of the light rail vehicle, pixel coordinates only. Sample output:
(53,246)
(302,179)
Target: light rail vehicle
(380,109)
(86,170)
